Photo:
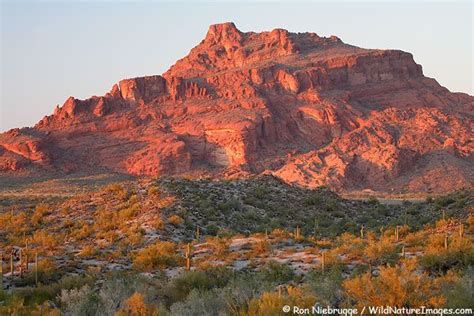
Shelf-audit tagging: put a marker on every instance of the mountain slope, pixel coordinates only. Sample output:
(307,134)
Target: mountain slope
(309,109)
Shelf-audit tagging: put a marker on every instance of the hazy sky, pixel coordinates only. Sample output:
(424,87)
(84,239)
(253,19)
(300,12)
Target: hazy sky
(52,50)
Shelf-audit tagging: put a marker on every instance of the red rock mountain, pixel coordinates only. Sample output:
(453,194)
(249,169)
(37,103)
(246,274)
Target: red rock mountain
(309,109)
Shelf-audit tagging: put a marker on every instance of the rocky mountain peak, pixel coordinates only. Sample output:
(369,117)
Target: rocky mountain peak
(223,33)
(309,109)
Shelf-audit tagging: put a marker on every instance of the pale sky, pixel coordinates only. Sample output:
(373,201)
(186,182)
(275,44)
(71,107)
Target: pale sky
(53,50)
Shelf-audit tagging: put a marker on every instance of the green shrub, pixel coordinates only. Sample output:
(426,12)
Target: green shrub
(200,303)
(200,280)
(313,200)
(212,229)
(277,272)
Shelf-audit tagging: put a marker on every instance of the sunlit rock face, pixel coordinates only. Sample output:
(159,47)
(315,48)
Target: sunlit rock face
(309,109)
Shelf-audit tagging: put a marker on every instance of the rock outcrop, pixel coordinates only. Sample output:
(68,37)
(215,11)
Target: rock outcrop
(309,109)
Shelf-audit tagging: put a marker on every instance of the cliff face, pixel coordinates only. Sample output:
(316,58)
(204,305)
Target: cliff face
(309,109)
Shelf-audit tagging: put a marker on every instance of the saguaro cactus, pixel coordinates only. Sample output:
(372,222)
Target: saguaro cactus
(298,232)
(12,268)
(188,255)
(36,269)
(323,262)
(26,256)
(1,273)
(197,232)
(315,227)
(446,240)
(21,263)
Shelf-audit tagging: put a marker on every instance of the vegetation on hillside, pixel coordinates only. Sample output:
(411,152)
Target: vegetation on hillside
(242,247)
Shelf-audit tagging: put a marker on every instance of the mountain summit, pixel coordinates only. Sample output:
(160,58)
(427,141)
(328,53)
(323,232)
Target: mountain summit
(309,109)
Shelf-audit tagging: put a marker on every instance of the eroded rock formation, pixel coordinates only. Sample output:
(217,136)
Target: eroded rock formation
(309,109)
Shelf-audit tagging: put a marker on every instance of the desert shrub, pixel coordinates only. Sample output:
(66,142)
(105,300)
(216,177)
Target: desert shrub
(381,210)
(113,188)
(129,212)
(381,251)
(395,286)
(313,200)
(84,230)
(439,260)
(436,259)
(13,304)
(135,306)
(328,286)
(44,292)
(118,190)
(219,245)
(47,270)
(333,230)
(45,240)
(260,192)
(224,232)
(458,293)
(339,214)
(261,247)
(134,235)
(414,209)
(81,301)
(415,239)
(117,287)
(41,210)
(159,224)
(210,213)
(212,229)
(133,199)
(153,190)
(201,280)
(350,226)
(105,220)
(350,245)
(444,201)
(460,203)
(159,255)
(200,303)
(324,220)
(359,269)
(373,201)
(277,272)
(175,220)
(228,206)
(18,223)
(332,206)
(470,224)
(67,283)
(88,251)
(331,258)
(271,303)
(279,233)
(251,216)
